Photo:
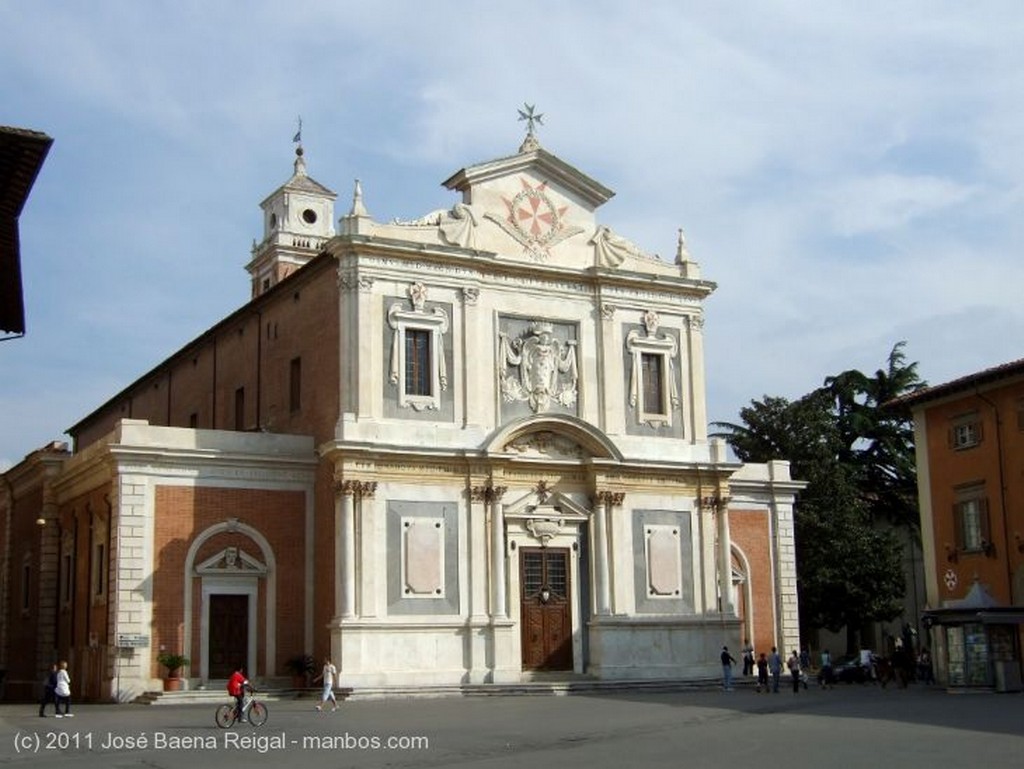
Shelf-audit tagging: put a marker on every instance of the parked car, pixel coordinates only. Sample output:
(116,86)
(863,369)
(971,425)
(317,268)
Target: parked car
(848,670)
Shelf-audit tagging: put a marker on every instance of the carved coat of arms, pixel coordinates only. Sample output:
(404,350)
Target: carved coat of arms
(538,368)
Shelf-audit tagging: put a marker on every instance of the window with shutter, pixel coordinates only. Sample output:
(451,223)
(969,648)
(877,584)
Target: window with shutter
(971,523)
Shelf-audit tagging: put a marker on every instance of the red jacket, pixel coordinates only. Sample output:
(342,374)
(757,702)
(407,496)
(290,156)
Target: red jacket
(236,684)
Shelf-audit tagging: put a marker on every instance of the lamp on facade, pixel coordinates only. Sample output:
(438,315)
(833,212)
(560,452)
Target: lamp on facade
(40,521)
(951,555)
(545,594)
(1020,542)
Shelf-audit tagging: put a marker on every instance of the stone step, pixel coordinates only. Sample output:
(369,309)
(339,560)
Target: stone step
(536,687)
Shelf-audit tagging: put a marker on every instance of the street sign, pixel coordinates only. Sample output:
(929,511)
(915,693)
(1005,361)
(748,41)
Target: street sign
(132,640)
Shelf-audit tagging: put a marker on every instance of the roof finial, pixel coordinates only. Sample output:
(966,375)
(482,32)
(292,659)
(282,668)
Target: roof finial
(300,162)
(358,209)
(530,143)
(682,253)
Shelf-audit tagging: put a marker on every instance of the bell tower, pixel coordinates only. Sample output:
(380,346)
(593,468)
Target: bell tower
(298,220)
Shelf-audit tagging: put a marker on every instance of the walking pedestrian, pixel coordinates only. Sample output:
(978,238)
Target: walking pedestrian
(762,673)
(328,676)
(794,670)
(727,663)
(62,690)
(825,677)
(748,658)
(49,691)
(775,668)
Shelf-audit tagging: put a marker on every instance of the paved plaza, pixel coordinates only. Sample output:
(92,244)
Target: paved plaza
(850,726)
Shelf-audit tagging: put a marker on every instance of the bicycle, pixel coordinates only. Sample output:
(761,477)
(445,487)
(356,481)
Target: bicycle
(253,712)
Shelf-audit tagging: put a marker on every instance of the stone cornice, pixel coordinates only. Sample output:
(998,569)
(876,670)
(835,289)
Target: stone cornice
(395,257)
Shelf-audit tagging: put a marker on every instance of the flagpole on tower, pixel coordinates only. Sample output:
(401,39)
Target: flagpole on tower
(298,134)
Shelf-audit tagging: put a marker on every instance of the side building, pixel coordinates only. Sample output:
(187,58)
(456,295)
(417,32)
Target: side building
(460,449)
(969,435)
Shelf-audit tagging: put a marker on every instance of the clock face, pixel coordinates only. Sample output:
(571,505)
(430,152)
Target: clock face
(309,216)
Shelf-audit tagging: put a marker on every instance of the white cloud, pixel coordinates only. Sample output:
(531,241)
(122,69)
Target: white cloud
(850,175)
(889,201)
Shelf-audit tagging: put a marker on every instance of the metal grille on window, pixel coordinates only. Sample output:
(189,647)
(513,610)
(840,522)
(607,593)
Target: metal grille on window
(557,576)
(417,362)
(653,397)
(533,573)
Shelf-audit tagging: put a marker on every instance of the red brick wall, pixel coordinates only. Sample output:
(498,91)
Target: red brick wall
(751,533)
(182,512)
(23,664)
(251,349)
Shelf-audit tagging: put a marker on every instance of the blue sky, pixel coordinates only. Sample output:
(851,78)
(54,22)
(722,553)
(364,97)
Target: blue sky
(850,174)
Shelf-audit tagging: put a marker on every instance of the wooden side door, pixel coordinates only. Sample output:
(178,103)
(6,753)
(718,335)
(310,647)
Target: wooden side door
(546,613)
(229,634)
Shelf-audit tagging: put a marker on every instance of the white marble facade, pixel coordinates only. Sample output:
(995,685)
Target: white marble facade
(532,487)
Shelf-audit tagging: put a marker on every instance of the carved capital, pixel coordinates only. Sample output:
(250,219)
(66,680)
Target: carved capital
(607,311)
(367,489)
(348,488)
(487,493)
(470,295)
(713,503)
(611,498)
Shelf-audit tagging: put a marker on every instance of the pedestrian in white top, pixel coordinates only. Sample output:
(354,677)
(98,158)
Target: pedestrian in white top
(63,691)
(328,676)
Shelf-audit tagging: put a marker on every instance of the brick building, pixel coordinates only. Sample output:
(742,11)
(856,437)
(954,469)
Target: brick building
(460,449)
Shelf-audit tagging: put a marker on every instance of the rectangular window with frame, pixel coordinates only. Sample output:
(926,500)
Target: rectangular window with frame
(26,586)
(295,384)
(651,373)
(965,432)
(971,521)
(417,362)
(65,579)
(99,575)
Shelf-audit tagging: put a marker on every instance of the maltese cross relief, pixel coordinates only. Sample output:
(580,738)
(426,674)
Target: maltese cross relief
(534,221)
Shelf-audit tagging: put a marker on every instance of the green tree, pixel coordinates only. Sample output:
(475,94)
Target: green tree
(855,450)
(878,436)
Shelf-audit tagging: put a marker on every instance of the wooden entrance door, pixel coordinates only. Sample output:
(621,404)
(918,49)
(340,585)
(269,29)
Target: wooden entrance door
(546,609)
(229,634)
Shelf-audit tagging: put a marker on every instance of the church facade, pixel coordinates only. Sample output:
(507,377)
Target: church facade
(461,449)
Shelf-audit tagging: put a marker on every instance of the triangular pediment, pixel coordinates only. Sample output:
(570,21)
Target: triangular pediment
(539,163)
(234,561)
(548,505)
(529,207)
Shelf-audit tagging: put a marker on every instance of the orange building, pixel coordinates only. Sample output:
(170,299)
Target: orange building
(969,435)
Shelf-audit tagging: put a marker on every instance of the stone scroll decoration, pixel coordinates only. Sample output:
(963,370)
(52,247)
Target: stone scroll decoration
(538,368)
(404,322)
(652,355)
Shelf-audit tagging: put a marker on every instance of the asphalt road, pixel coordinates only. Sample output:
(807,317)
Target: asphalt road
(850,726)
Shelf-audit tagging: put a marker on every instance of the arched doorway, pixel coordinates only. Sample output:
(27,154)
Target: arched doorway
(229,595)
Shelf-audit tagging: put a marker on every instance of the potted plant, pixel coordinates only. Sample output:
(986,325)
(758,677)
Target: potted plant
(302,667)
(174,663)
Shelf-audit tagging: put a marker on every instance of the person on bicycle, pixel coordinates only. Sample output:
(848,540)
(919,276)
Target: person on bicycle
(237,685)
